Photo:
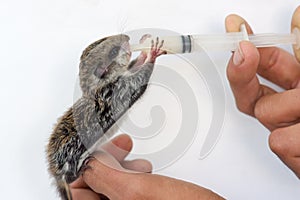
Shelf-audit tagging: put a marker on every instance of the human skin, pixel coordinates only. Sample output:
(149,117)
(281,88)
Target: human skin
(118,179)
(277,111)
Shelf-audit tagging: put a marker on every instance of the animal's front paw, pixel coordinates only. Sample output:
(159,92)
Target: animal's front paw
(85,163)
(144,38)
(144,54)
(156,50)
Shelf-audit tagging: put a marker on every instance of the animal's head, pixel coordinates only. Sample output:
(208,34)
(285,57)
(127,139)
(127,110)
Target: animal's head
(103,61)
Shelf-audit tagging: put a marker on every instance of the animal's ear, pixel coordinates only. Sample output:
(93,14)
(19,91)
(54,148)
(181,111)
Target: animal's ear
(100,70)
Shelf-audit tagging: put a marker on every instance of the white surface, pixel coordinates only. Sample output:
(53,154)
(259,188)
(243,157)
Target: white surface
(41,42)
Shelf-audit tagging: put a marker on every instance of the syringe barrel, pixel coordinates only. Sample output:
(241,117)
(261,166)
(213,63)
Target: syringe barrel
(171,44)
(193,43)
(220,42)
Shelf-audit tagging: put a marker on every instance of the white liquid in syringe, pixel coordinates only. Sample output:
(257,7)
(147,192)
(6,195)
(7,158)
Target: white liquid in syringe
(171,44)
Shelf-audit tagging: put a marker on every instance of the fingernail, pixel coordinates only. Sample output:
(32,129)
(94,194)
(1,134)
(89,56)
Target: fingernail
(296,32)
(238,56)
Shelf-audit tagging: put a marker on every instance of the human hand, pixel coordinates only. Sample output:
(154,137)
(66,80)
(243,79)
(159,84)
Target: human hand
(109,174)
(278,111)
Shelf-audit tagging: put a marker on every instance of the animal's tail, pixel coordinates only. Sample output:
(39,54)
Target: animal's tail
(64,189)
(67,190)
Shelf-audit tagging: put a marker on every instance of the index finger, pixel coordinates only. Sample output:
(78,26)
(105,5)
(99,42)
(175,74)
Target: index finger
(280,67)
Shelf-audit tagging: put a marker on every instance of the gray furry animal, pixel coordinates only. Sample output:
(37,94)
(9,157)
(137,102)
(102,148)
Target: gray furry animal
(110,85)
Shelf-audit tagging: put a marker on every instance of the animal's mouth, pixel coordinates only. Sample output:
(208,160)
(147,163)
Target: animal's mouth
(101,72)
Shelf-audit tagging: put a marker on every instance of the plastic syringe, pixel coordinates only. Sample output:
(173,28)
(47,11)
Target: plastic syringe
(219,42)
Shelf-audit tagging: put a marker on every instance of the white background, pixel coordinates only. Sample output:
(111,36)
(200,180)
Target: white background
(41,42)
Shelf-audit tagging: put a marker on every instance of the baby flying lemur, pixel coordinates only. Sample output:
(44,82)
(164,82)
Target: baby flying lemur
(110,85)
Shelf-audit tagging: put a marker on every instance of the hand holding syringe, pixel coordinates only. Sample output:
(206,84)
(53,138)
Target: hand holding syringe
(221,42)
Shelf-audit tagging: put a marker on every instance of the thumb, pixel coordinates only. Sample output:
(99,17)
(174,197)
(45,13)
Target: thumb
(243,65)
(241,73)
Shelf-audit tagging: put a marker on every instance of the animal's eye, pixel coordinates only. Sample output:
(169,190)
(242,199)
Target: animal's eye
(113,52)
